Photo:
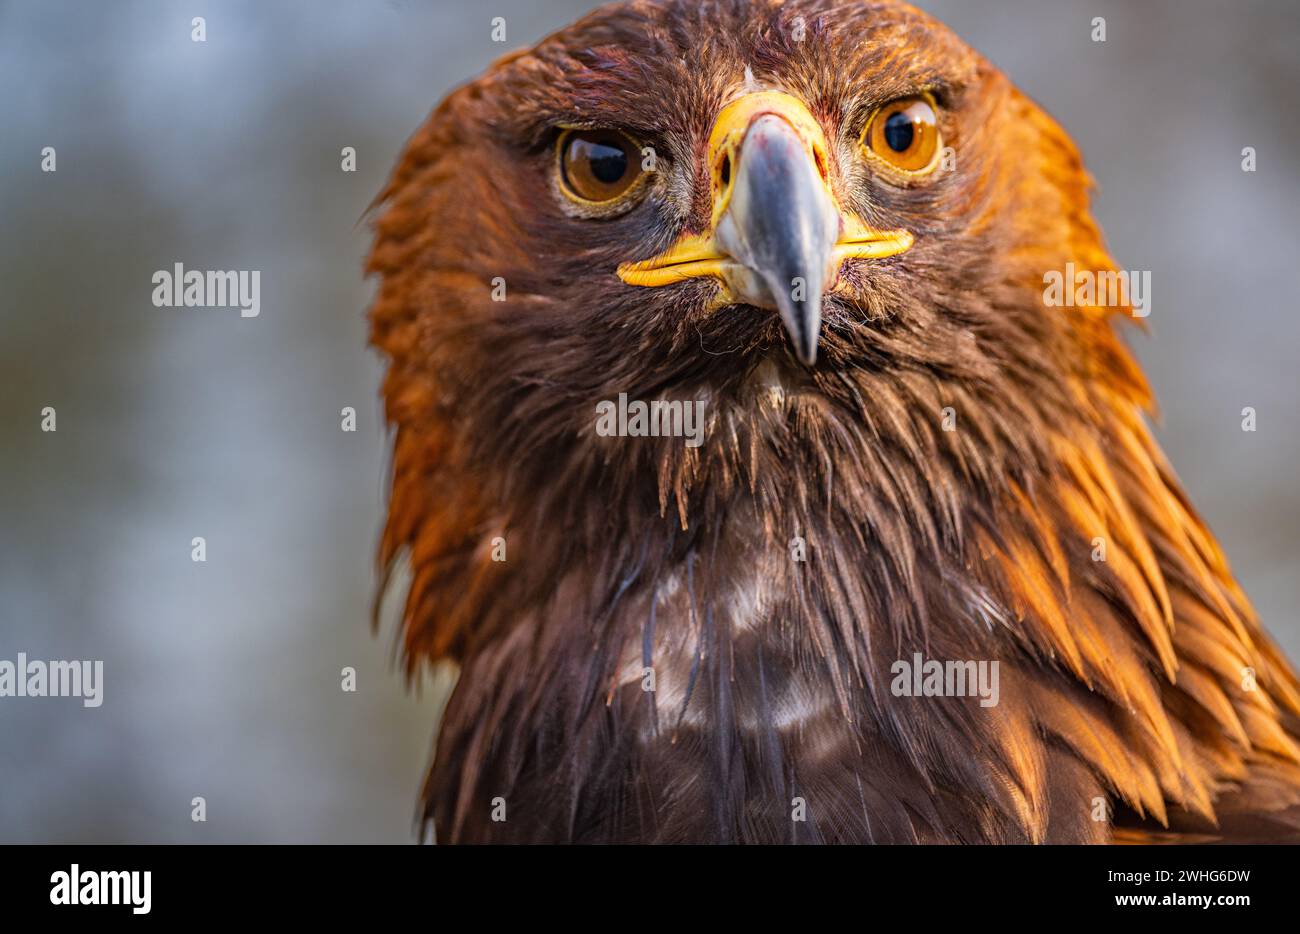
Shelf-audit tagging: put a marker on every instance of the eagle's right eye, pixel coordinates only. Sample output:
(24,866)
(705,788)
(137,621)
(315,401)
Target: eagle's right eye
(597,166)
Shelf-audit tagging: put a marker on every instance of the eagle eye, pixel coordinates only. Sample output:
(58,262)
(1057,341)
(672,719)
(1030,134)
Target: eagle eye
(597,166)
(905,133)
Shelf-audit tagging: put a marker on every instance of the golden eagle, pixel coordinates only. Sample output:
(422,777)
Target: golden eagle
(825,227)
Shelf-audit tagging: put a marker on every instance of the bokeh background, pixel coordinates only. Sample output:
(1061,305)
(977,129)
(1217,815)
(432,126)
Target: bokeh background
(222,678)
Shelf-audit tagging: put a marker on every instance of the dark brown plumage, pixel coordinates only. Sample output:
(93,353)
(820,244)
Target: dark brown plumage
(1121,680)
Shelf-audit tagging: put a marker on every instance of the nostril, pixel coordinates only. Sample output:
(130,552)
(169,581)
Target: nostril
(820,158)
(724,173)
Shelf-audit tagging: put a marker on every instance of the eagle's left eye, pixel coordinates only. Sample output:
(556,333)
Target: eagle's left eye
(597,166)
(905,133)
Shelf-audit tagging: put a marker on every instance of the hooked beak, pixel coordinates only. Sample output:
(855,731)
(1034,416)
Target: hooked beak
(778,237)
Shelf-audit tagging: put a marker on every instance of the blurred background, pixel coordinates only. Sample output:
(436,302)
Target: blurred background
(222,679)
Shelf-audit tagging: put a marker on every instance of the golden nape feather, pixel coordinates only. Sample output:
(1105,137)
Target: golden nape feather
(887,553)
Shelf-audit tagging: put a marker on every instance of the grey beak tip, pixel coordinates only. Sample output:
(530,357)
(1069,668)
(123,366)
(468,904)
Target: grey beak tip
(807,353)
(802,322)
